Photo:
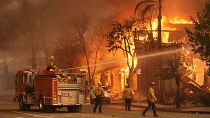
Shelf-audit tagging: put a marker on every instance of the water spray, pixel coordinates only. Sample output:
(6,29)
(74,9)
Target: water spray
(125,59)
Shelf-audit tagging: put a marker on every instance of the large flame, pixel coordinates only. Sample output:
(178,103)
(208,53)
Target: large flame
(177,20)
(165,37)
(164,23)
(165,29)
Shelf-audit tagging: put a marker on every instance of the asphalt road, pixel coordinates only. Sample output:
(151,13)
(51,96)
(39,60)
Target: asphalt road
(9,109)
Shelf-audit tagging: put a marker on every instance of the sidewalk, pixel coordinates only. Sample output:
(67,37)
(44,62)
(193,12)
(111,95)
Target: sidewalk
(170,108)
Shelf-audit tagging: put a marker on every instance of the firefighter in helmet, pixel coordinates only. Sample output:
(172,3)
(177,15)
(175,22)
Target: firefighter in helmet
(128,96)
(99,92)
(151,100)
(51,63)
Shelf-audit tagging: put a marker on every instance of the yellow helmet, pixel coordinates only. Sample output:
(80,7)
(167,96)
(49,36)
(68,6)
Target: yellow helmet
(52,57)
(100,84)
(153,84)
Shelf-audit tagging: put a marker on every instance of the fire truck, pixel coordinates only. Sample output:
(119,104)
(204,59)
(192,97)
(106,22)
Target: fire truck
(49,89)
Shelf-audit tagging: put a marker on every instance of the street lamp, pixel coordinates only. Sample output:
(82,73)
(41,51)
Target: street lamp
(138,77)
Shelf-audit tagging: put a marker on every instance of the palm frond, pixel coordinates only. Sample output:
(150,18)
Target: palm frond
(147,9)
(142,3)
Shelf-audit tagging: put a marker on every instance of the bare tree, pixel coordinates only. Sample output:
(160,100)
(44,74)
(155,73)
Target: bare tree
(81,29)
(123,36)
(87,44)
(99,39)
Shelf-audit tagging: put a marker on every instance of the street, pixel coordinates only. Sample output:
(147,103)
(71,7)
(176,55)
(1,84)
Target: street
(10,109)
(57,57)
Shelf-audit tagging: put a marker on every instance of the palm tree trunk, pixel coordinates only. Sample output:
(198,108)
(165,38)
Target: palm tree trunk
(159,23)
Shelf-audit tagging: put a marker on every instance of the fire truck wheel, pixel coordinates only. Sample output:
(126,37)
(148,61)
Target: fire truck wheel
(78,108)
(52,109)
(42,107)
(70,109)
(74,108)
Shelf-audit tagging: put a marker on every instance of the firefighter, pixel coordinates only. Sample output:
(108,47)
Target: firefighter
(128,96)
(51,63)
(151,100)
(99,92)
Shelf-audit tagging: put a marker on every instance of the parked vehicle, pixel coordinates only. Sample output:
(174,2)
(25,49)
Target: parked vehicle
(49,89)
(107,96)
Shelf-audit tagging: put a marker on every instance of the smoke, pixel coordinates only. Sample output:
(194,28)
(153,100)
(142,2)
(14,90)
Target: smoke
(182,8)
(56,16)
(45,20)
(100,10)
(59,14)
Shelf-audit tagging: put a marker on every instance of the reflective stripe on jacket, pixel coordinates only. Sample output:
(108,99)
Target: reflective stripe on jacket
(99,91)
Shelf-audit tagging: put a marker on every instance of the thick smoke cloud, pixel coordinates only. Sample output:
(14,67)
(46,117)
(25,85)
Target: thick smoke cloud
(47,20)
(182,8)
(101,9)
(57,14)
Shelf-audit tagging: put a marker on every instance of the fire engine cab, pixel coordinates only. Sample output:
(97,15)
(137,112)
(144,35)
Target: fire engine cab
(49,89)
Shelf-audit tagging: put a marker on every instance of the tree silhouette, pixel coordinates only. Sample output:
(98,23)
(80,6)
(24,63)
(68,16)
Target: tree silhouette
(125,37)
(178,69)
(154,8)
(199,39)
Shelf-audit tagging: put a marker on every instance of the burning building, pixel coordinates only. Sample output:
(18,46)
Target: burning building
(173,30)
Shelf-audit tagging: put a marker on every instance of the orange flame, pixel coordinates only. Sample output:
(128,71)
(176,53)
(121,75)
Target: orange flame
(164,26)
(165,37)
(177,20)
(165,34)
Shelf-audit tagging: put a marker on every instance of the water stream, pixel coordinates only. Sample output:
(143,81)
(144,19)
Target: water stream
(139,57)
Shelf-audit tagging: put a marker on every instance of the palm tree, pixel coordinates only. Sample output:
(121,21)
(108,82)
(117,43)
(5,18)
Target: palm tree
(146,7)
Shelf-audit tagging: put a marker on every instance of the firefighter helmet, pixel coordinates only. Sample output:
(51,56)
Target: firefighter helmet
(99,84)
(52,57)
(127,86)
(153,84)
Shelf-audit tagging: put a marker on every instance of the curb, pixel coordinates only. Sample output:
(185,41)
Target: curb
(171,110)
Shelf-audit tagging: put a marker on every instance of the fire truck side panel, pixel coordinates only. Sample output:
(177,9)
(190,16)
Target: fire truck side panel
(69,94)
(55,91)
(43,88)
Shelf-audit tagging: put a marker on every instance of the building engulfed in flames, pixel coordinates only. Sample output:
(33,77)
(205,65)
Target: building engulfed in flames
(173,30)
